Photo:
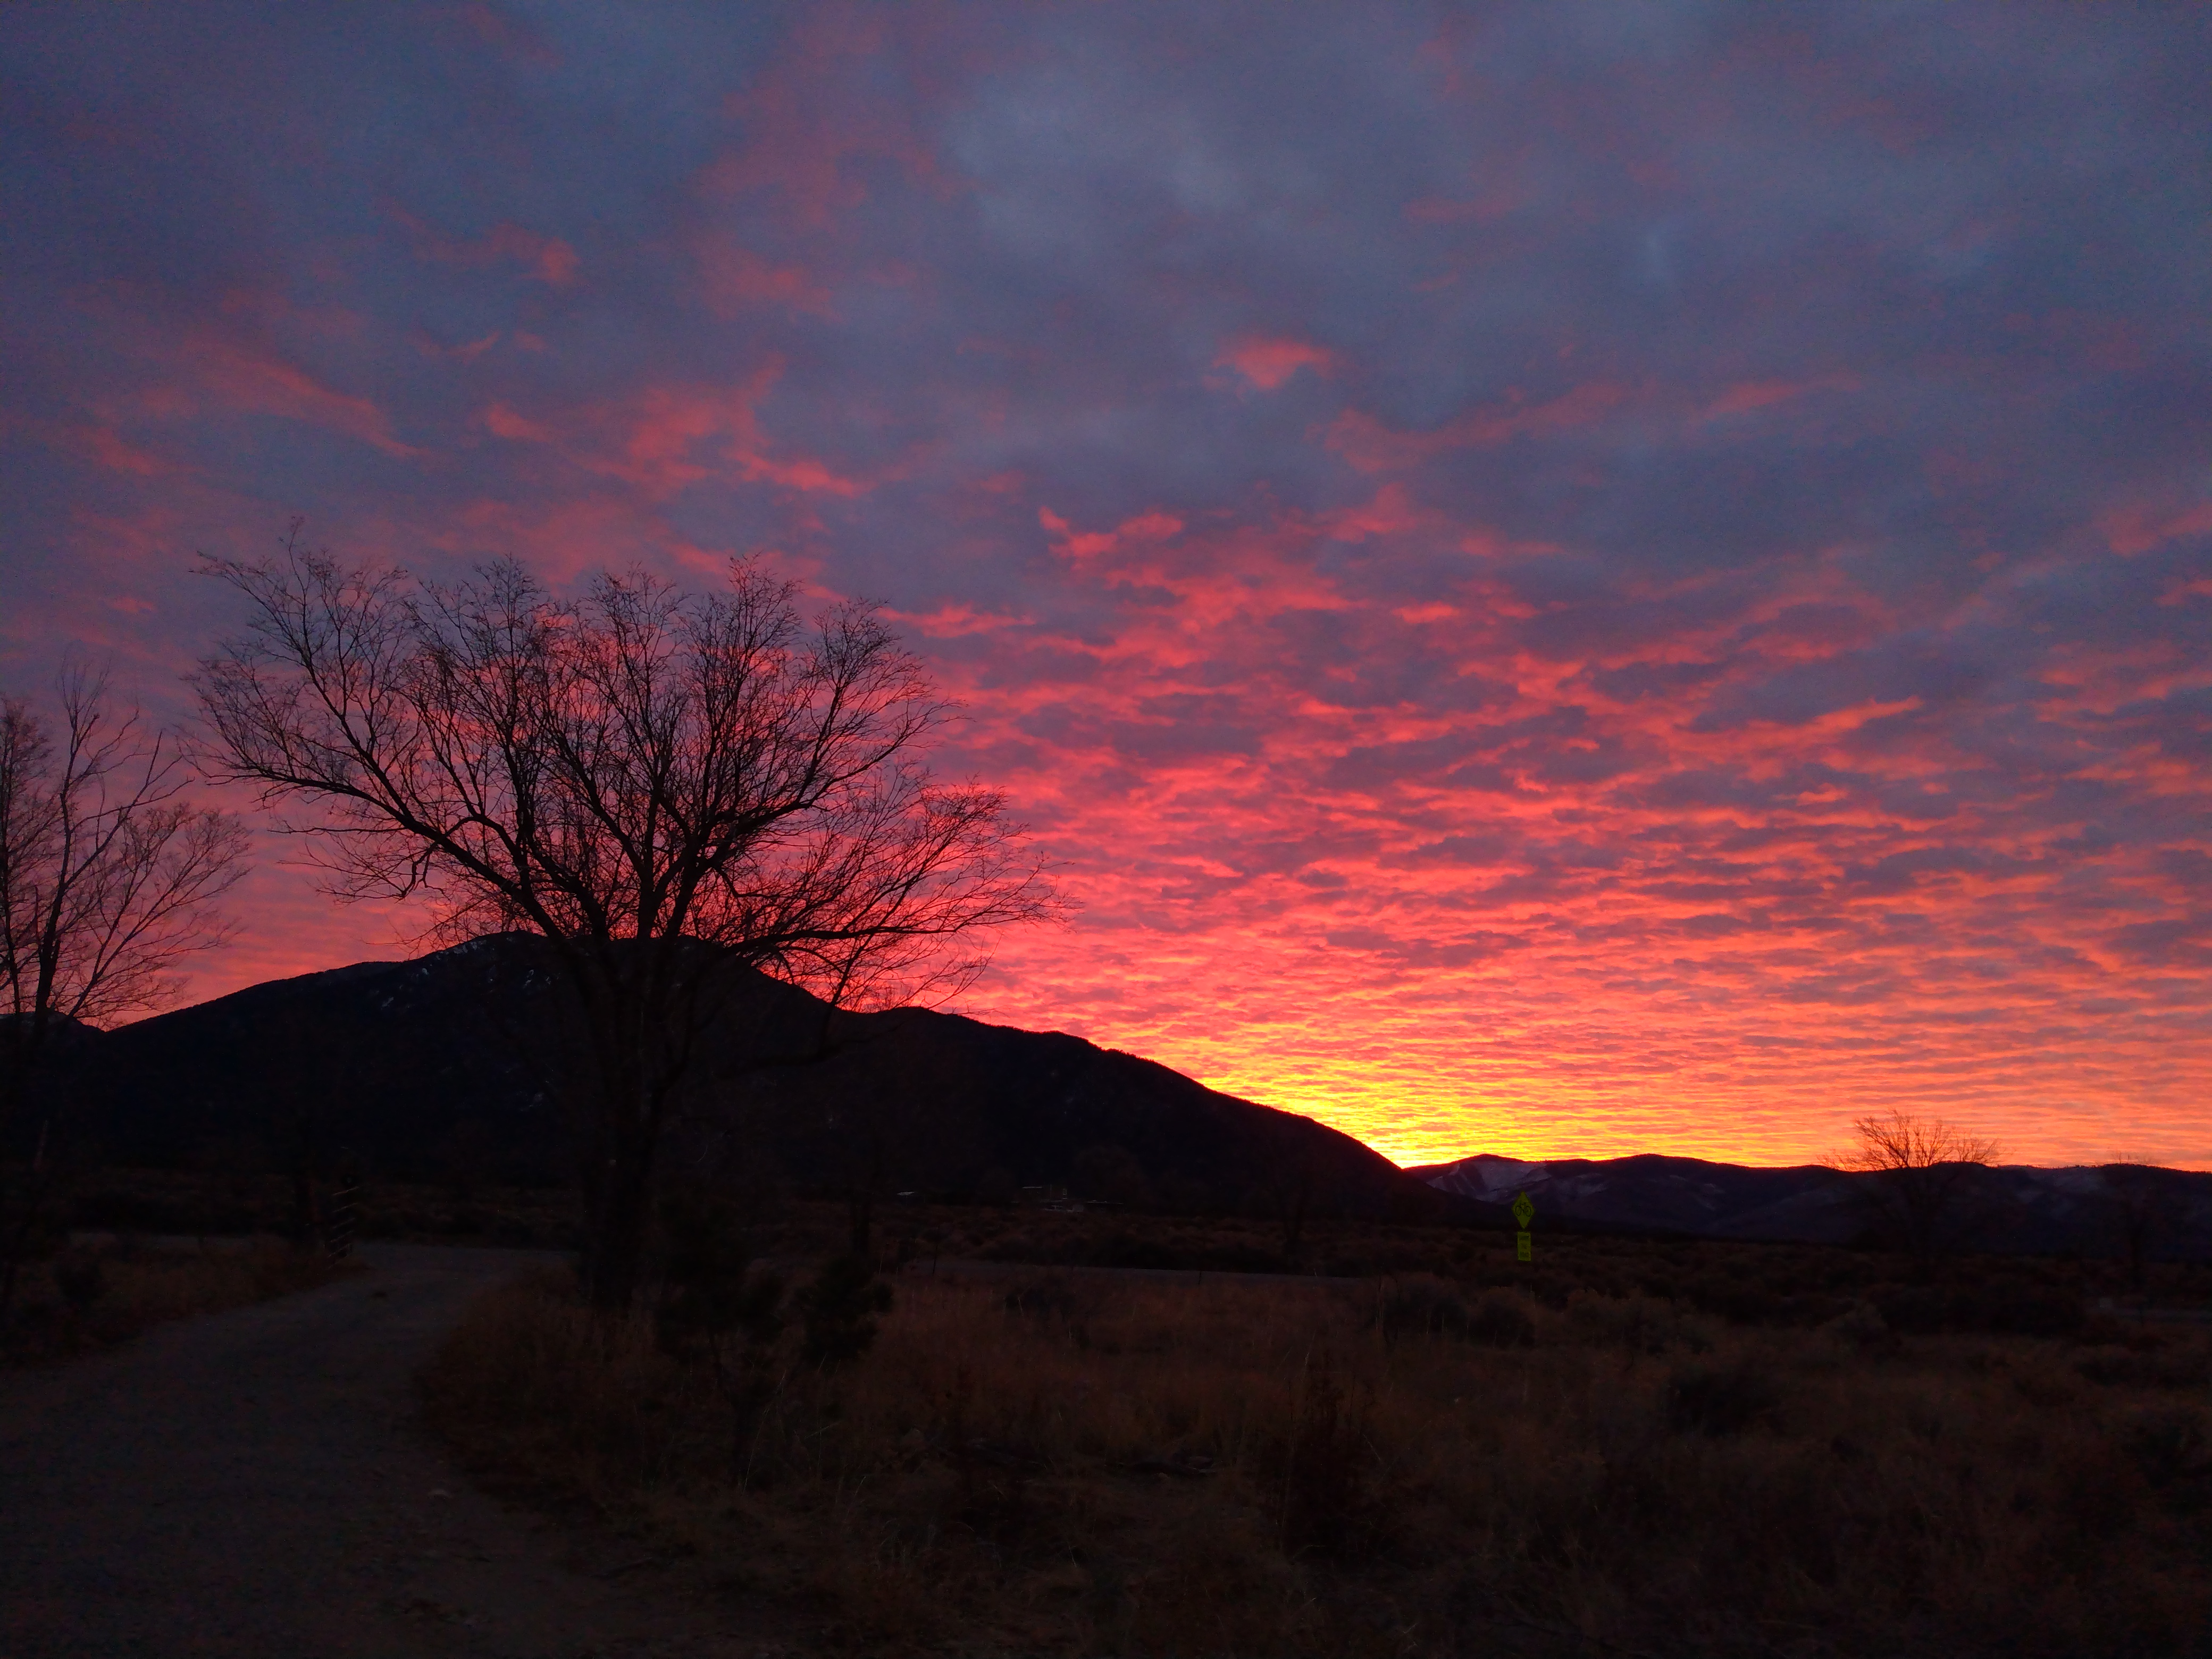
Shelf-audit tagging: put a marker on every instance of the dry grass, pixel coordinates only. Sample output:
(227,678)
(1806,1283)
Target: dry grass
(249,1201)
(1092,1466)
(93,1295)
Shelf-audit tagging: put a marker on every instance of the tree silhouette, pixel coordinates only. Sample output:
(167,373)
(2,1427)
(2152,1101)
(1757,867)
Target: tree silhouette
(667,786)
(2139,1203)
(1922,1168)
(108,879)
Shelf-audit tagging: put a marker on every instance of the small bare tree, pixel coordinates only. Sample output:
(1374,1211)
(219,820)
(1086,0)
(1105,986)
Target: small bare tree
(108,880)
(1922,1168)
(666,786)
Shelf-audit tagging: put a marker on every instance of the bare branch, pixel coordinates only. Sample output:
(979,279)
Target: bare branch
(1920,1168)
(668,785)
(108,881)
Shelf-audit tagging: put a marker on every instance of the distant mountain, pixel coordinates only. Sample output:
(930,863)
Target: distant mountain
(2017,1207)
(414,1066)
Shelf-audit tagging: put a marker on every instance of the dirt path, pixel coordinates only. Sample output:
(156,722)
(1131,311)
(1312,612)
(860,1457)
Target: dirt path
(252,1483)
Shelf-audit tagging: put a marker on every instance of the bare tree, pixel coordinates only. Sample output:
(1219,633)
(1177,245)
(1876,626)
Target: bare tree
(108,880)
(1923,1170)
(667,786)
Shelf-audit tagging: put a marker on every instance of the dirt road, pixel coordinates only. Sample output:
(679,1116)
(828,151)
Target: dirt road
(253,1485)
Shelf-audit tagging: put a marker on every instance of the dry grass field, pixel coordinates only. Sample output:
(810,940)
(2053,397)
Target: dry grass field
(246,1200)
(90,1296)
(1633,1447)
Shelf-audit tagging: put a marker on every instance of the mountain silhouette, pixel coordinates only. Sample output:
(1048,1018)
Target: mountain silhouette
(400,1065)
(2014,1208)
(410,1069)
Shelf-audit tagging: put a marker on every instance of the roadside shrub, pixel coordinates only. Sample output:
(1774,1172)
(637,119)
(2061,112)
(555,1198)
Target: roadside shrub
(88,1295)
(1422,1306)
(1499,1320)
(2140,1363)
(1719,1400)
(840,1309)
(1637,1324)
(2168,1442)
(1913,1309)
(1427,1306)
(2011,1306)
(1082,1466)
(1863,1328)
(80,1277)
(1318,1470)
(1059,1300)
(2022,1310)
(709,1289)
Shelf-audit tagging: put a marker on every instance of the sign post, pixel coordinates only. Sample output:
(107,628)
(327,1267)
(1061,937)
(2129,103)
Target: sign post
(1523,1211)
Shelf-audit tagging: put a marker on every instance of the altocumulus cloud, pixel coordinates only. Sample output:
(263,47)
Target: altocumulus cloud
(1557,578)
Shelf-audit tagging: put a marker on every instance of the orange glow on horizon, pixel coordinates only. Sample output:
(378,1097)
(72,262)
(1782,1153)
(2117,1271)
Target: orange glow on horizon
(1552,590)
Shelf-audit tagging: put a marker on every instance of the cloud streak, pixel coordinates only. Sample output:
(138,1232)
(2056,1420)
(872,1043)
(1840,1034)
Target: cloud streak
(1556,579)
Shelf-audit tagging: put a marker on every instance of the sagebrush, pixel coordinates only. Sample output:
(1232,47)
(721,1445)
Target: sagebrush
(1075,1465)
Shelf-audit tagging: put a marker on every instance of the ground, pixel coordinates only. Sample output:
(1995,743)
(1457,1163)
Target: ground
(253,1483)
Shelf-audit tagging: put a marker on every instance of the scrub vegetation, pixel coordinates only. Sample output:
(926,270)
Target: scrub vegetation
(1633,1446)
(87,1295)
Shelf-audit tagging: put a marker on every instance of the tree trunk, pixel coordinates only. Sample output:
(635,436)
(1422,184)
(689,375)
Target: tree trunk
(618,1203)
(860,1190)
(615,1127)
(18,1230)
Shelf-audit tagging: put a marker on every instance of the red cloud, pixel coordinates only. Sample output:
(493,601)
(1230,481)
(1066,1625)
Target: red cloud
(1144,529)
(2132,530)
(808,120)
(548,259)
(1373,448)
(1760,394)
(734,277)
(242,378)
(666,439)
(1268,362)
(1682,759)
(106,449)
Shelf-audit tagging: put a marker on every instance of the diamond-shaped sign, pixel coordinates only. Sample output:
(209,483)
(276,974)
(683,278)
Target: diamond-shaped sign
(1523,1209)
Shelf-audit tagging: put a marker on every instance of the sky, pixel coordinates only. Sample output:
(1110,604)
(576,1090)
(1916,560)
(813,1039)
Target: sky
(1559,579)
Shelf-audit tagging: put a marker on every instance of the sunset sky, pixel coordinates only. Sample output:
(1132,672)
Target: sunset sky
(1559,580)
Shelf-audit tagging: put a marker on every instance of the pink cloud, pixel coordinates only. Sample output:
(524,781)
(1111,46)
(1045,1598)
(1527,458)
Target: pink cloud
(1268,362)
(1371,446)
(547,258)
(1670,756)
(2132,530)
(734,277)
(809,122)
(467,352)
(666,439)
(1144,529)
(503,423)
(109,450)
(242,378)
(1762,394)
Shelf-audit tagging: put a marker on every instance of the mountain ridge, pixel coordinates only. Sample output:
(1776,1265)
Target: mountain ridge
(392,1062)
(2020,1208)
(414,1066)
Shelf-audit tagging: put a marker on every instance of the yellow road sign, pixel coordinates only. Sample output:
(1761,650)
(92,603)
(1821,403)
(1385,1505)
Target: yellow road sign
(1521,1247)
(1523,1209)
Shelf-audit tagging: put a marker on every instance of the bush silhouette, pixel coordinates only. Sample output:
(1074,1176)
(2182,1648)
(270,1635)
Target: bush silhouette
(1718,1400)
(840,1309)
